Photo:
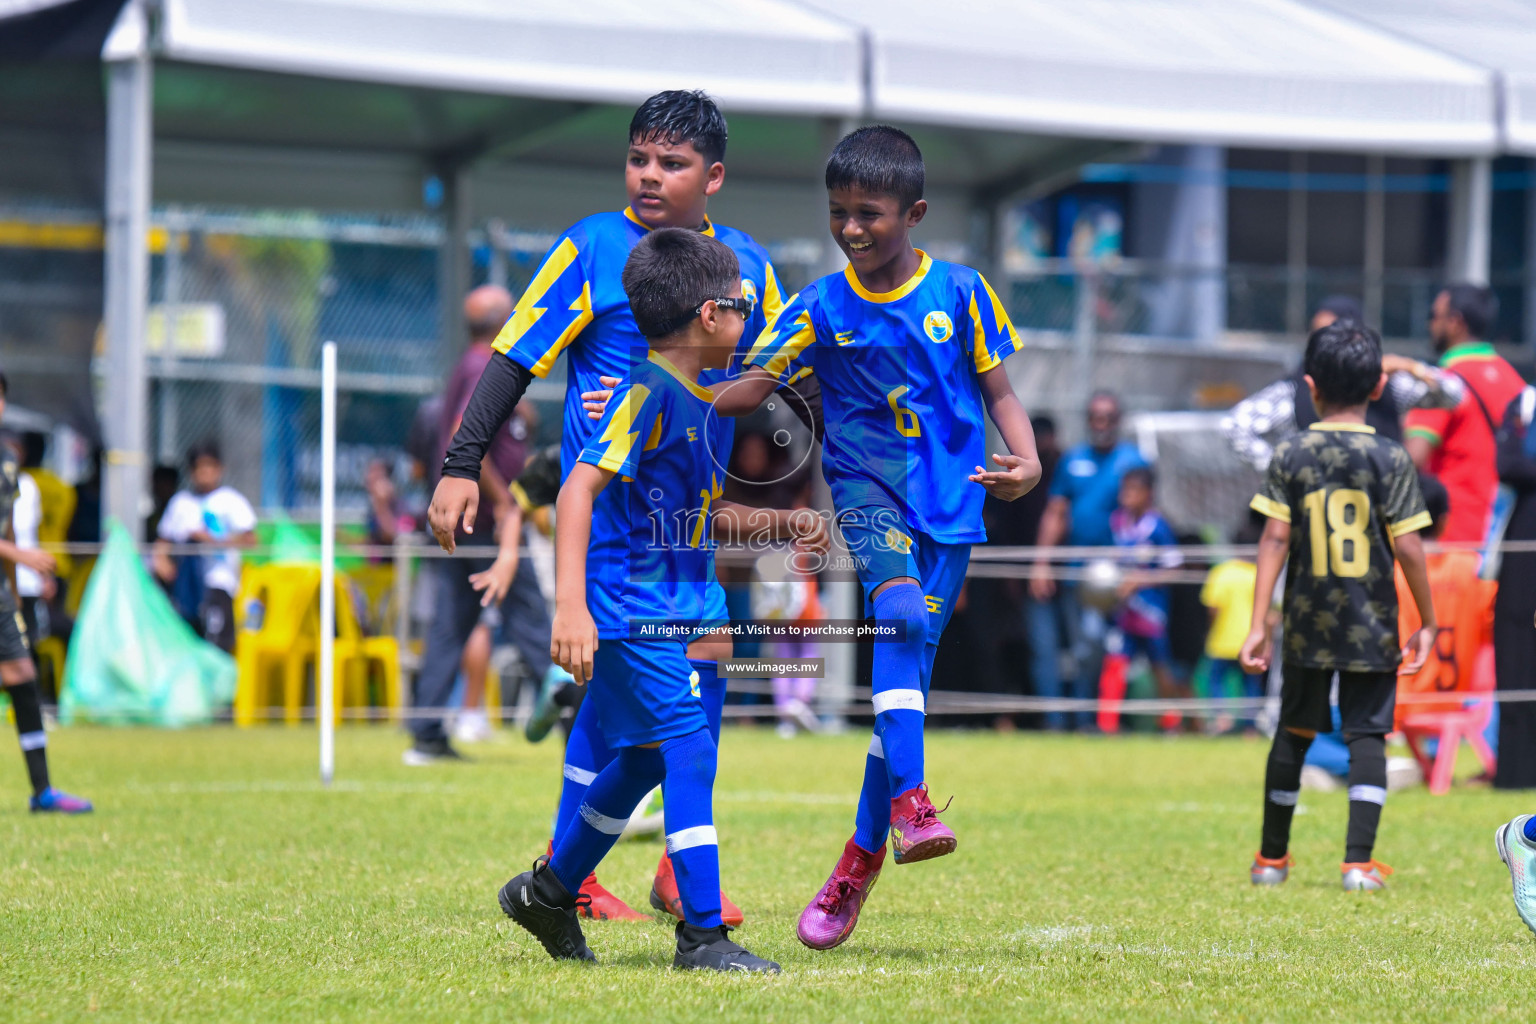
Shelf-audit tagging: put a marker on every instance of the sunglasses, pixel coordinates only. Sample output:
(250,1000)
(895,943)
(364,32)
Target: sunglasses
(743,305)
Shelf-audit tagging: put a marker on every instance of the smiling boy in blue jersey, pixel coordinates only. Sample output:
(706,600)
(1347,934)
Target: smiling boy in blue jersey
(634,550)
(908,350)
(576,303)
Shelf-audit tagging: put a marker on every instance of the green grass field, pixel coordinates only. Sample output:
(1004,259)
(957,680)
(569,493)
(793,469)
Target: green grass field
(1095,880)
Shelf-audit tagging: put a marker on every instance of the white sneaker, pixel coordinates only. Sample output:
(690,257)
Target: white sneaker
(472,727)
(1519,854)
(786,729)
(1403,773)
(1315,778)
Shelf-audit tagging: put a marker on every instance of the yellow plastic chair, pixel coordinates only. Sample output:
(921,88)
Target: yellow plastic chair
(356,654)
(278,612)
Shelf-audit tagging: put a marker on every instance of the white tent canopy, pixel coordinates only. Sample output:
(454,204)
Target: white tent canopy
(767,55)
(1236,72)
(1499,35)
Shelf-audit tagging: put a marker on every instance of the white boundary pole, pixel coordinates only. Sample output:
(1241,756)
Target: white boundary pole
(325,704)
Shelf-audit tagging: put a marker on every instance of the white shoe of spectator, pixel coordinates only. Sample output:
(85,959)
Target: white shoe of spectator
(471,727)
(804,717)
(1403,773)
(1315,778)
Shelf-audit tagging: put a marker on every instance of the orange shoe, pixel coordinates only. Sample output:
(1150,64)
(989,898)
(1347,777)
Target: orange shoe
(1267,871)
(602,905)
(666,899)
(1367,877)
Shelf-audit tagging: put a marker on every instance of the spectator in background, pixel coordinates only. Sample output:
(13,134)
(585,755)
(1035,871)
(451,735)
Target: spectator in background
(386,517)
(1457,444)
(1514,641)
(164,482)
(995,608)
(1228,593)
(213,514)
(1142,619)
(457,601)
(1273,413)
(1083,493)
(85,524)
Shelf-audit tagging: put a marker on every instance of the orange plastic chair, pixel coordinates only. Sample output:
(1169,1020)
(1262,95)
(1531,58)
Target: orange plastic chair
(1451,727)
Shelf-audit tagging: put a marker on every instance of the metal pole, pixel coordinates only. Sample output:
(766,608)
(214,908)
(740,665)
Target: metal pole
(130,85)
(325,701)
(1471,220)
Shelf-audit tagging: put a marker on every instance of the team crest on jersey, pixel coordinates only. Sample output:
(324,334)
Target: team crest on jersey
(693,683)
(749,290)
(937,326)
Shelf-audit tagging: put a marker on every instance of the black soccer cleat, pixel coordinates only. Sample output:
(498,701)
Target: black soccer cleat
(711,949)
(537,901)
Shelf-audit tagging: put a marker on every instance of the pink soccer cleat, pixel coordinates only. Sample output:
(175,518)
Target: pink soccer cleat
(831,917)
(916,831)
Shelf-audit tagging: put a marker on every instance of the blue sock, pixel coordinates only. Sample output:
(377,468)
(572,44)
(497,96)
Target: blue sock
(586,754)
(601,818)
(712,692)
(1530,828)
(900,693)
(688,800)
(872,823)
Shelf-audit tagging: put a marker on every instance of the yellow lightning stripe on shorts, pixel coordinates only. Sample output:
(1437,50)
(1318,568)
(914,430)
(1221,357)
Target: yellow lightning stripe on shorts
(621,435)
(530,311)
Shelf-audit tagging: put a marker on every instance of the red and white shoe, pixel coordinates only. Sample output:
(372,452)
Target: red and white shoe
(832,915)
(916,831)
(666,899)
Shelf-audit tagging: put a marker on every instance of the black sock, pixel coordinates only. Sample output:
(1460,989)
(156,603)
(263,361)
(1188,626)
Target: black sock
(1282,788)
(1367,794)
(29,729)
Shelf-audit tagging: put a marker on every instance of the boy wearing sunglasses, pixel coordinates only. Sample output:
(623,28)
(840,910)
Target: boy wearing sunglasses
(576,304)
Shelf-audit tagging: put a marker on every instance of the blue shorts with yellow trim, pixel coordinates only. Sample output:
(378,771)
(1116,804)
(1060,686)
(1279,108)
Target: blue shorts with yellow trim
(644,691)
(885,548)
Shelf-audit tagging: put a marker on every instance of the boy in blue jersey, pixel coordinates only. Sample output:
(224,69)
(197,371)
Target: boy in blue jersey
(908,350)
(634,566)
(576,304)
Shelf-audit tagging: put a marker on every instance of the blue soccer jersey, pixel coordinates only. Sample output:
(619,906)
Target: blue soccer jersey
(576,302)
(651,556)
(899,390)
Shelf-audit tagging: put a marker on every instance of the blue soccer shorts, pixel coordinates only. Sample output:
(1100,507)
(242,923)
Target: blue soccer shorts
(645,691)
(885,548)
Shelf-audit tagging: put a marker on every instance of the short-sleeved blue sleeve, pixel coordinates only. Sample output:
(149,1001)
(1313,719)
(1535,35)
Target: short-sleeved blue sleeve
(634,413)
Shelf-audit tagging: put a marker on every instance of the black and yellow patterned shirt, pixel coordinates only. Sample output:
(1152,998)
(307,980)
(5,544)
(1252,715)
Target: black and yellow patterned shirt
(1346,493)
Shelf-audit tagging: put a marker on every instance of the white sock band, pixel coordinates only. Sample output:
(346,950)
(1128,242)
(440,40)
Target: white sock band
(601,822)
(580,776)
(898,700)
(688,838)
(33,740)
(876,748)
(1368,794)
(1284,798)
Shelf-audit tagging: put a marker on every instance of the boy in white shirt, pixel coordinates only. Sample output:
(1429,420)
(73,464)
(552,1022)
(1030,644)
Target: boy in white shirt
(209,513)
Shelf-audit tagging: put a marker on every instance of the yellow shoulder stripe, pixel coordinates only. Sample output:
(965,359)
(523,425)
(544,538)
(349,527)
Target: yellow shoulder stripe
(1270,507)
(1412,524)
(533,305)
(621,435)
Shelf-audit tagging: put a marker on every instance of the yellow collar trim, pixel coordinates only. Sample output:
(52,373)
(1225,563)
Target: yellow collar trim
(703,394)
(900,291)
(1358,428)
(707,229)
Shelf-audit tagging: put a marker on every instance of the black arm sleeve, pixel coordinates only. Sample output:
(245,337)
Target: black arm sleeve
(804,398)
(490,406)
